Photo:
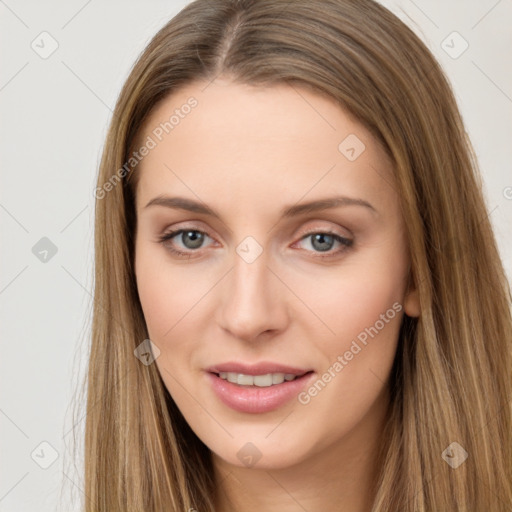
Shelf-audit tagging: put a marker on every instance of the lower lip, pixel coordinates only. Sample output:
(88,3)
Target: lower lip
(255,399)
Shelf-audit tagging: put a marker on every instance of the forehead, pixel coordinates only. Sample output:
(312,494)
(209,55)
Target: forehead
(229,138)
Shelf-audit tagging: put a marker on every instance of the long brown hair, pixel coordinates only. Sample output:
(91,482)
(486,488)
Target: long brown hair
(451,380)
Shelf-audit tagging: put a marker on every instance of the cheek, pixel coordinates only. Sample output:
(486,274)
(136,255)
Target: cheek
(359,306)
(365,312)
(173,299)
(158,300)
(351,299)
(165,300)
(166,292)
(361,309)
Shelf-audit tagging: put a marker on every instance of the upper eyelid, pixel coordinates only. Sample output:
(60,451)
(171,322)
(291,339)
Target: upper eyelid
(175,232)
(307,231)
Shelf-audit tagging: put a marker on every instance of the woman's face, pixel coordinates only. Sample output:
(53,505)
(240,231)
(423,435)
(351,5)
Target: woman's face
(264,285)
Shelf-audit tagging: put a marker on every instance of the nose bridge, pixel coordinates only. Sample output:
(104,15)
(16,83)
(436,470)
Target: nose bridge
(252,302)
(250,279)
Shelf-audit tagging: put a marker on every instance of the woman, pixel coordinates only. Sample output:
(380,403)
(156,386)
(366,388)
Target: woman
(299,301)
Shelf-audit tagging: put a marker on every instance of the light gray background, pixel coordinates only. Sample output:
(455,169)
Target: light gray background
(54,115)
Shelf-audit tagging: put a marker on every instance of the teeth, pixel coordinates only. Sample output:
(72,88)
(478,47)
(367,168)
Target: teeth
(261,381)
(243,380)
(278,378)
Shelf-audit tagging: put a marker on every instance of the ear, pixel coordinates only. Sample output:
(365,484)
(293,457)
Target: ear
(411,299)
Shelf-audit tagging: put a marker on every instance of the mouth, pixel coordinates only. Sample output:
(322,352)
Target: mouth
(257,391)
(260,381)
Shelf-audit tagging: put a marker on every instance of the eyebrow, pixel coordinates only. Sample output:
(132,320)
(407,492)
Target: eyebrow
(182,203)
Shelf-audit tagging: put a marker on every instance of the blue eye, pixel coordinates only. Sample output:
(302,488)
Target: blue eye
(190,238)
(323,242)
(193,239)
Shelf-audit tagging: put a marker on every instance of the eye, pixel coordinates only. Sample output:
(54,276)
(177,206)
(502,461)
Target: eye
(321,242)
(324,241)
(191,239)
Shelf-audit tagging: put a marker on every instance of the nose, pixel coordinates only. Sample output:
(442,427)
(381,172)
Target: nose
(253,300)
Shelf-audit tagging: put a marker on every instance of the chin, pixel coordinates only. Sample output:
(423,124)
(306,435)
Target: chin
(250,457)
(256,452)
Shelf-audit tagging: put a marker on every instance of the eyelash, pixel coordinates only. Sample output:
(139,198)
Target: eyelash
(345,242)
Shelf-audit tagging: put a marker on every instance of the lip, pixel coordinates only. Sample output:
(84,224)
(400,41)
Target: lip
(261,368)
(254,399)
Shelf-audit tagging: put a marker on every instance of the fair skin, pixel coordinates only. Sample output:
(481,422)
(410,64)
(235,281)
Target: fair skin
(247,153)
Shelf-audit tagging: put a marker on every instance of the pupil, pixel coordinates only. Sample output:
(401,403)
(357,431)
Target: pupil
(320,237)
(194,237)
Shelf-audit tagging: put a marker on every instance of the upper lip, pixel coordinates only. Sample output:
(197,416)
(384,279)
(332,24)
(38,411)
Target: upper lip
(261,368)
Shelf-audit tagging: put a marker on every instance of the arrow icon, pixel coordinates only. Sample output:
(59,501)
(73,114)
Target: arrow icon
(44,250)
(249,249)
(454,455)
(454,45)
(44,44)
(249,455)
(351,147)
(44,455)
(147,352)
